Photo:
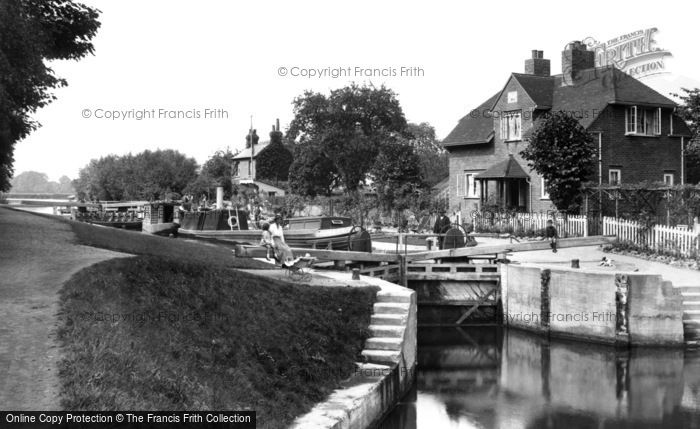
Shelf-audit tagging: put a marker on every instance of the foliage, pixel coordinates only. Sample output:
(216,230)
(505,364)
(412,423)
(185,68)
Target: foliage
(344,133)
(33,32)
(312,172)
(396,174)
(274,161)
(144,176)
(689,110)
(434,160)
(216,171)
(255,137)
(35,182)
(562,152)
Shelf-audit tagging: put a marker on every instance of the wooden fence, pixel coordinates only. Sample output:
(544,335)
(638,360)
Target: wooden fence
(674,240)
(532,223)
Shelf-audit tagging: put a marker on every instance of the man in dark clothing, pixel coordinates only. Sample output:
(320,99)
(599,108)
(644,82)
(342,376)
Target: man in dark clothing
(442,224)
(551,234)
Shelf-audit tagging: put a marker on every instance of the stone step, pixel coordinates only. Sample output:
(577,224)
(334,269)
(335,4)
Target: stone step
(388,331)
(383,343)
(688,289)
(689,324)
(391,308)
(381,356)
(372,370)
(691,295)
(396,320)
(393,297)
(691,305)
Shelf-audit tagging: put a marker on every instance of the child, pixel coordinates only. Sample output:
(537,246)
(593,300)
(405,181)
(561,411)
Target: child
(266,239)
(551,234)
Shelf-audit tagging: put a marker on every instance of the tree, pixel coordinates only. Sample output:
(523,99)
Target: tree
(689,111)
(434,160)
(397,175)
(311,172)
(149,175)
(31,182)
(217,171)
(274,161)
(345,131)
(562,152)
(33,32)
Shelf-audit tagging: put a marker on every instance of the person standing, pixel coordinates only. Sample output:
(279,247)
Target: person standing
(442,224)
(552,235)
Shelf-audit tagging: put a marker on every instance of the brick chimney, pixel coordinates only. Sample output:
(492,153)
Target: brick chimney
(537,65)
(575,58)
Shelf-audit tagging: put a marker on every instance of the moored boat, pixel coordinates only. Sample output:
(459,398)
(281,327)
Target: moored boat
(319,232)
(161,218)
(124,215)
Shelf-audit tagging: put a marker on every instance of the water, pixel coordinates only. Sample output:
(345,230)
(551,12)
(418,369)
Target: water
(489,378)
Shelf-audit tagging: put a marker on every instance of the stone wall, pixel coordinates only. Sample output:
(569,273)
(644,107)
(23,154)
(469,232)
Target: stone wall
(600,306)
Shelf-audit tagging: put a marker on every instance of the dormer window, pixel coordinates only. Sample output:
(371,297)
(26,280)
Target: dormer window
(511,126)
(643,121)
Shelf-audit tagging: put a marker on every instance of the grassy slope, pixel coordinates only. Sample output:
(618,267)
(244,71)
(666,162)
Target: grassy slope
(203,338)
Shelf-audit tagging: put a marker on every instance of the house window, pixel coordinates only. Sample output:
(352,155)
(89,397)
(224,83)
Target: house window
(643,121)
(513,97)
(615,176)
(543,186)
(668,179)
(511,126)
(468,186)
(271,194)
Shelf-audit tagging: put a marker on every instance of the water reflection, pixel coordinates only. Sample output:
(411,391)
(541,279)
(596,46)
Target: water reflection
(484,377)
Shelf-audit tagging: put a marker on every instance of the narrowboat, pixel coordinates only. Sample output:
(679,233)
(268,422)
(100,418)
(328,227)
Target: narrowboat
(234,225)
(124,215)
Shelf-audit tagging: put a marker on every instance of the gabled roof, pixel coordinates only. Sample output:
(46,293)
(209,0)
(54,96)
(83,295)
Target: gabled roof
(507,169)
(475,128)
(245,153)
(586,98)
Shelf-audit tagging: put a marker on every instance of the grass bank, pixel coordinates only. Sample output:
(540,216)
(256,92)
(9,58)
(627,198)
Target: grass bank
(150,333)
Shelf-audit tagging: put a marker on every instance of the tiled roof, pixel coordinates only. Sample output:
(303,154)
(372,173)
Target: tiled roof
(475,128)
(507,169)
(245,153)
(586,98)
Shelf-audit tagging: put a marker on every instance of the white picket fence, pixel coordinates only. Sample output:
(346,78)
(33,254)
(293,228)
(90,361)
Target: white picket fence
(675,240)
(567,225)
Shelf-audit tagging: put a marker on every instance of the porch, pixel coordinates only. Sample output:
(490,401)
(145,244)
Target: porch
(509,185)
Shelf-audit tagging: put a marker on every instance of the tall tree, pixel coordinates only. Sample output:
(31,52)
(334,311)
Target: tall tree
(562,152)
(33,32)
(346,129)
(397,174)
(434,161)
(216,171)
(689,110)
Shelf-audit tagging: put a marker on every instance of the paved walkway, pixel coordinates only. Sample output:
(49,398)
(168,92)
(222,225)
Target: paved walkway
(37,255)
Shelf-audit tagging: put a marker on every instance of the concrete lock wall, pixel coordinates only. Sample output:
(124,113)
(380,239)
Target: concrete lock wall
(600,306)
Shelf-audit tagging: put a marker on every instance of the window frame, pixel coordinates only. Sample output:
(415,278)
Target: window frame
(467,191)
(672,176)
(544,195)
(619,176)
(517,117)
(642,121)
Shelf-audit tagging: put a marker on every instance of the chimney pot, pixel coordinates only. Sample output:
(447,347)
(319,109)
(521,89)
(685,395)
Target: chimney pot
(534,53)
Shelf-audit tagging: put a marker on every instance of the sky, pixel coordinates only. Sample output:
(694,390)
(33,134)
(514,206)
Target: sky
(196,72)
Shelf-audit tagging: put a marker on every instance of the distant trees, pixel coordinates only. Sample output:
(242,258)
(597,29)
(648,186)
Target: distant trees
(149,175)
(397,175)
(562,152)
(689,110)
(343,133)
(35,182)
(31,33)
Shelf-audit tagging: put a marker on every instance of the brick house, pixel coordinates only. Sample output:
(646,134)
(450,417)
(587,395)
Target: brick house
(639,137)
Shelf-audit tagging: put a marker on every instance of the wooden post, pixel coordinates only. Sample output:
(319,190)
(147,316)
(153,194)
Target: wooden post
(402,271)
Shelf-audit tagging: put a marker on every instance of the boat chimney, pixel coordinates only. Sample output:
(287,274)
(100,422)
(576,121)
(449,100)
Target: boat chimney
(219,197)
(278,124)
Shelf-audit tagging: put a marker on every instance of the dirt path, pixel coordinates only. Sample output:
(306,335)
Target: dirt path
(37,255)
